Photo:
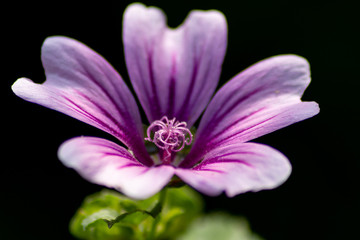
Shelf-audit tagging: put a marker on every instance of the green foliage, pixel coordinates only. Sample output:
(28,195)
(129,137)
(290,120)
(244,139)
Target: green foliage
(108,215)
(219,226)
(182,205)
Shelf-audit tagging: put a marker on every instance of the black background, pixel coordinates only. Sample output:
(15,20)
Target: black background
(319,201)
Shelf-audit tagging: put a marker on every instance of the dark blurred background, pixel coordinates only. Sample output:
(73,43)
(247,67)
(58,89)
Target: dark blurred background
(319,201)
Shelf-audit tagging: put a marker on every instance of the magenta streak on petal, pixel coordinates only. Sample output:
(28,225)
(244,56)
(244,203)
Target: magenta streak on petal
(150,93)
(145,170)
(102,89)
(124,114)
(198,44)
(118,153)
(197,95)
(104,162)
(251,127)
(108,115)
(82,111)
(218,120)
(197,150)
(223,140)
(144,157)
(207,170)
(128,165)
(184,111)
(172,87)
(102,110)
(235,123)
(224,155)
(221,160)
(155,99)
(117,149)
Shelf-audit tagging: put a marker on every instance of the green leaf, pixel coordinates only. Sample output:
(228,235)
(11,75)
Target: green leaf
(219,226)
(103,214)
(121,217)
(181,207)
(128,204)
(109,215)
(96,217)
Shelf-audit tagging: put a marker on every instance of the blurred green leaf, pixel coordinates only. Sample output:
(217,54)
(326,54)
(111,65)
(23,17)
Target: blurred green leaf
(99,212)
(219,226)
(119,218)
(104,214)
(181,207)
(109,215)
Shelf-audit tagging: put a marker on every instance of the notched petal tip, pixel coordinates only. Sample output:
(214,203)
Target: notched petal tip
(137,6)
(182,63)
(213,18)
(139,11)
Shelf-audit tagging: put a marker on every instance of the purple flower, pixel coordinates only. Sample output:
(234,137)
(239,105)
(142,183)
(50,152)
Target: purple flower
(174,73)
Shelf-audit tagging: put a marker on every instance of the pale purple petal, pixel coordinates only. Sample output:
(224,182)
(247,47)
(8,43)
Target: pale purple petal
(174,71)
(103,162)
(82,84)
(237,168)
(259,100)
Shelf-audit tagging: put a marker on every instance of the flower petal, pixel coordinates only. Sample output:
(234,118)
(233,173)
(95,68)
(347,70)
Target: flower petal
(103,162)
(174,71)
(82,84)
(237,168)
(259,100)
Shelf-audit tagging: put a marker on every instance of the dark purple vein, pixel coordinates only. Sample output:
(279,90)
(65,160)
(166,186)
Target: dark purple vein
(226,160)
(221,141)
(96,120)
(100,86)
(243,118)
(172,87)
(154,100)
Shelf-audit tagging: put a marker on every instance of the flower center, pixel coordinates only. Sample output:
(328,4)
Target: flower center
(169,135)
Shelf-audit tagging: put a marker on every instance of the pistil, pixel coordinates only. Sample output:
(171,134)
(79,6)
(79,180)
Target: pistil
(169,136)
